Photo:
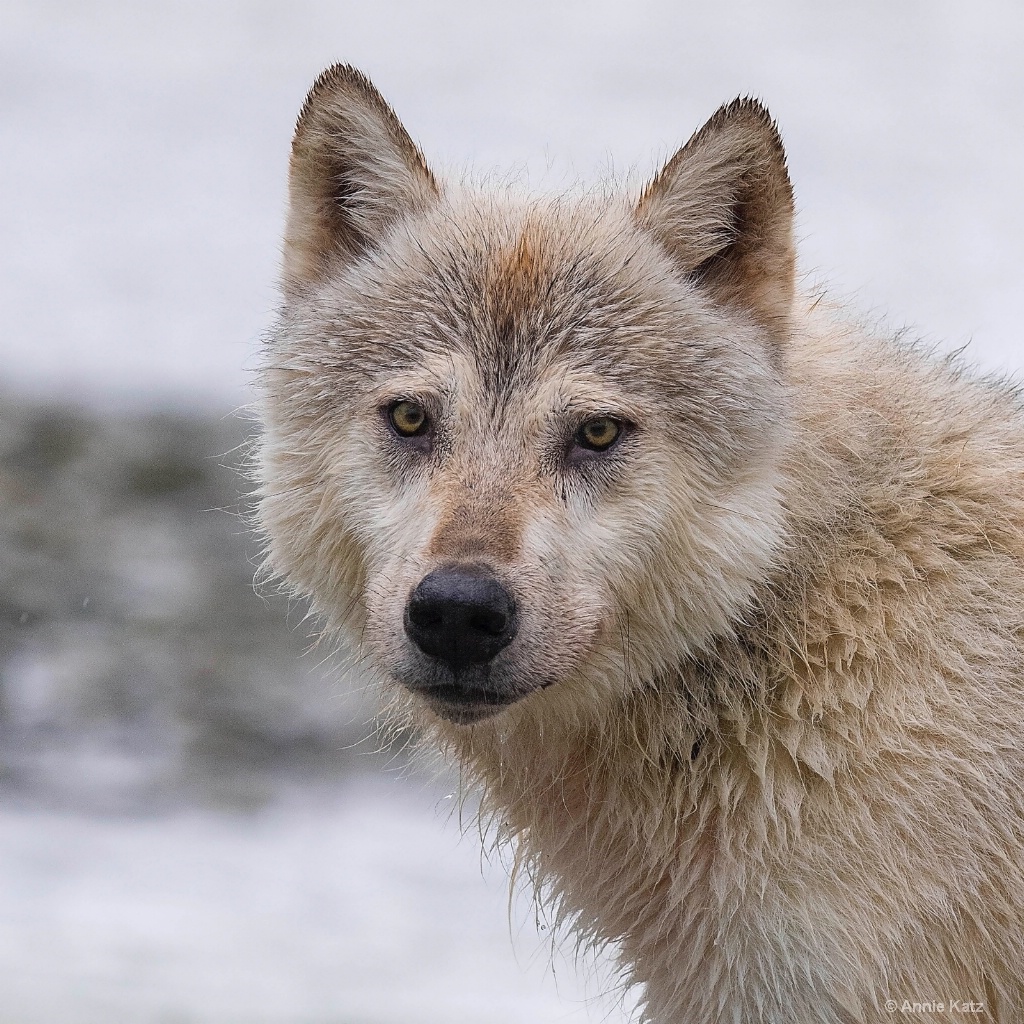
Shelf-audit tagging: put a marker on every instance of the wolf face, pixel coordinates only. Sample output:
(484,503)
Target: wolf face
(522,450)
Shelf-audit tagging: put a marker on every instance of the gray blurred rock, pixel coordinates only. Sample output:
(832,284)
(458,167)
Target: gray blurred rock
(138,665)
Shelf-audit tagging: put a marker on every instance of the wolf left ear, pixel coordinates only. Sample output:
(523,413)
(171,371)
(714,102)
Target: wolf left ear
(354,173)
(723,209)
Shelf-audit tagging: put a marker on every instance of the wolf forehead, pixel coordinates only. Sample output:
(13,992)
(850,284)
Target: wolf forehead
(681,297)
(522,290)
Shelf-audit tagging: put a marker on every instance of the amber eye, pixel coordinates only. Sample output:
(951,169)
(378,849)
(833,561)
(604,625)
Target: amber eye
(408,418)
(598,434)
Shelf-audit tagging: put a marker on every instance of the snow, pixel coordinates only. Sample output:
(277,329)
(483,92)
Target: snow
(362,905)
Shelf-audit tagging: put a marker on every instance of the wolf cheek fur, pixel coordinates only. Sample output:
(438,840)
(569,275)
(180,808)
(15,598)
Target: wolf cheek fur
(719,598)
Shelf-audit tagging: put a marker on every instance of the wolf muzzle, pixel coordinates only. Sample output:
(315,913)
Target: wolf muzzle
(460,616)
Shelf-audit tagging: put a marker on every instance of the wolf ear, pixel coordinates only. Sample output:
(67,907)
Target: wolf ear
(723,208)
(354,173)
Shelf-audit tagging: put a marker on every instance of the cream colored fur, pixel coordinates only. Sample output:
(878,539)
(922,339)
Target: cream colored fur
(768,726)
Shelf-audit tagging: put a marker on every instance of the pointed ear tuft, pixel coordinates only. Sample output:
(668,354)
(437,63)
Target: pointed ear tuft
(723,209)
(354,173)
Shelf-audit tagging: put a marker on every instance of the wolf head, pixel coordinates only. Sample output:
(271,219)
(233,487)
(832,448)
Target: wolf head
(518,451)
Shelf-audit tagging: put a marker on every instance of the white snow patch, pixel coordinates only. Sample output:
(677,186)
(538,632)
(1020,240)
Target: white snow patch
(362,907)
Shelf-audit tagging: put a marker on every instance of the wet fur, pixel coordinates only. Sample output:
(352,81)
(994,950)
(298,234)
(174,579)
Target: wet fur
(770,659)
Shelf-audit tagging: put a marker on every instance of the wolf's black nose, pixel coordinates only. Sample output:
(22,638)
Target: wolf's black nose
(461,616)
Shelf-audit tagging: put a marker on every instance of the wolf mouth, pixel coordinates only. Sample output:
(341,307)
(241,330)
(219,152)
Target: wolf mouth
(464,707)
(464,698)
(467,698)
(457,695)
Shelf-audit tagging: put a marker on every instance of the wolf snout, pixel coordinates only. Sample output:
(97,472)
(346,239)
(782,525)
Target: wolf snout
(460,615)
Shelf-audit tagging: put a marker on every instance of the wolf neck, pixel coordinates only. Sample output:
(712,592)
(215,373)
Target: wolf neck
(621,826)
(658,832)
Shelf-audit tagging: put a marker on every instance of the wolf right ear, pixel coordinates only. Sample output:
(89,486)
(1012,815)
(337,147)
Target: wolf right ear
(723,209)
(354,172)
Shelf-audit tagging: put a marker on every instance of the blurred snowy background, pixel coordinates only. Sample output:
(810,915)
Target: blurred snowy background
(194,828)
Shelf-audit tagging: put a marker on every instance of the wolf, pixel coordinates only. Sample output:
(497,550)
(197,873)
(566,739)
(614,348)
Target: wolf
(717,595)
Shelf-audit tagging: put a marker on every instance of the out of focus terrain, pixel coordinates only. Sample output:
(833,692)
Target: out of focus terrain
(140,667)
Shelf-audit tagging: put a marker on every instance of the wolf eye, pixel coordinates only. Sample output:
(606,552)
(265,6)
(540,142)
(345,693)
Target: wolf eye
(598,434)
(408,418)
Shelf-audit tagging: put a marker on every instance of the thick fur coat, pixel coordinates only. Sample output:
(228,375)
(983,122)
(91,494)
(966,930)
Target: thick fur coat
(740,661)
